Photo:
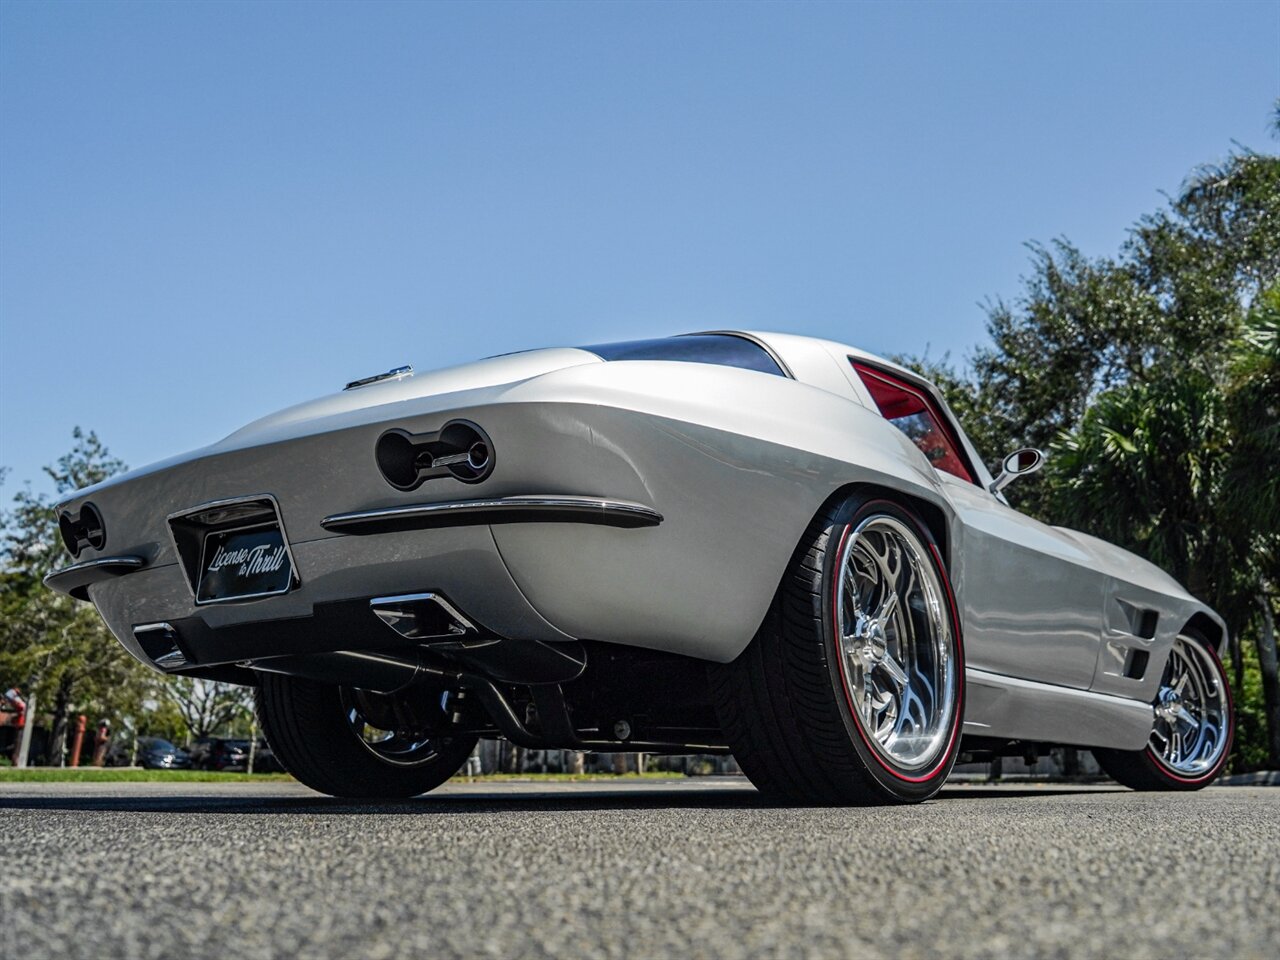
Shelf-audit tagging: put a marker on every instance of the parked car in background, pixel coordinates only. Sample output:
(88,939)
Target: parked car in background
(154,753)
(220,753)
(232,755)
(265,760)
(199,750)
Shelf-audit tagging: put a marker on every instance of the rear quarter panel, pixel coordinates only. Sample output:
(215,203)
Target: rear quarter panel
(737,462)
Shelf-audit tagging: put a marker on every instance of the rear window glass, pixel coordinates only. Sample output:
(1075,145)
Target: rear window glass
(914,413)
(721,349)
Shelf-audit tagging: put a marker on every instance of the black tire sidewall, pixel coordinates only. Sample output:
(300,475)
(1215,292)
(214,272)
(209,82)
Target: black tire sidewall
(901,785)
(307,730)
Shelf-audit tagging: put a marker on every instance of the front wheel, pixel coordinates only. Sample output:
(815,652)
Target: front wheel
(352,743)
(1192,724)
(852,691)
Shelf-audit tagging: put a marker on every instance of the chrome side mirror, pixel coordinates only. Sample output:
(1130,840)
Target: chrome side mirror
(1017,464)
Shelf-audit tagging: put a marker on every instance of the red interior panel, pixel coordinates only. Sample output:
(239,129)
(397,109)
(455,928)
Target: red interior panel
(915,414)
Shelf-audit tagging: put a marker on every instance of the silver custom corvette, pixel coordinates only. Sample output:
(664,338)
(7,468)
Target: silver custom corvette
(766,544)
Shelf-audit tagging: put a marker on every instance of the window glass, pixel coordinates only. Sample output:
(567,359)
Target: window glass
(914,413)
(717,348)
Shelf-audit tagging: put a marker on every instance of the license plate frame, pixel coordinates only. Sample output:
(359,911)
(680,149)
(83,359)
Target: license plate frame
(249,562)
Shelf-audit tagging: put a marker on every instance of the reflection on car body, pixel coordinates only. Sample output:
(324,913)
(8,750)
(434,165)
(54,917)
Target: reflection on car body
(767,544)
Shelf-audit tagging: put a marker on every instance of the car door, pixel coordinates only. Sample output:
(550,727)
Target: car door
(1031,597)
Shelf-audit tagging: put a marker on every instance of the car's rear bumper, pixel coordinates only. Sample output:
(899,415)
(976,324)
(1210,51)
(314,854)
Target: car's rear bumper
(75,579)
(329,609)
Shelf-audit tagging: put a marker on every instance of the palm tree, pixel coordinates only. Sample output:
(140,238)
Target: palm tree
(1183,470)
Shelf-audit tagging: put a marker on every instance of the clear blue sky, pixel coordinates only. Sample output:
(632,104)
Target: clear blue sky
(211,211)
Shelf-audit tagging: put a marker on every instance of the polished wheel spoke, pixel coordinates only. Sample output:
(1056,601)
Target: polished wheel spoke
(896,673)
(895,642)
(888,608)
(1190,712)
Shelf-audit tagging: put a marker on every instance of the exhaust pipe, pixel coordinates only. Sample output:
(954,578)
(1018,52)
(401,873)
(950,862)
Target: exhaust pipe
(422,616)
(368,671)
(434,622)
(476,457)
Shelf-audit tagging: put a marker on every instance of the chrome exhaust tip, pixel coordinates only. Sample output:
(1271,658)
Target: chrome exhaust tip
(159,642)
(478,456)
(422,616)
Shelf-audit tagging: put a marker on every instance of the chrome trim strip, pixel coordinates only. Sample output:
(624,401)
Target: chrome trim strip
(552,508)
(74,580)
(396,373)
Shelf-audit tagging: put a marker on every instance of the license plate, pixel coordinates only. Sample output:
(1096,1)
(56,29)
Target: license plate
(244,563)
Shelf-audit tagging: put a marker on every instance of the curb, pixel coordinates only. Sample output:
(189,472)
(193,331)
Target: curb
(1259,778)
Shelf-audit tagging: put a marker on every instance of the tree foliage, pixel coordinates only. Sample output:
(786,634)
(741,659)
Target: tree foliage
(1153,378)
(207,707)
(51,645)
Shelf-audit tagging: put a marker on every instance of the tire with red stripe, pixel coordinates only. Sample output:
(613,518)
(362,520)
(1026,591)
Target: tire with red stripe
(1192,727)
(852,690)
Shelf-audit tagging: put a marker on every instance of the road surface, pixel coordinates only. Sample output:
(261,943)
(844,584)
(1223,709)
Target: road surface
(649,869)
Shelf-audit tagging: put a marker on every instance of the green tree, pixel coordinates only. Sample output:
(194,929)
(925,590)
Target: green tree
(207,707)
(1153,378)
(1252,489)
(55,647)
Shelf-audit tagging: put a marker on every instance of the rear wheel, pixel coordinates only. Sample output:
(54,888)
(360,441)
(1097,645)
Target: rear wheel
(353,743)
(1192,724)
(852,691)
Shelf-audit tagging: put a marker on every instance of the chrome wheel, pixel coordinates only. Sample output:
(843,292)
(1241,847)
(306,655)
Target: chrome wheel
(388,737)
(1191,725)
(897,648)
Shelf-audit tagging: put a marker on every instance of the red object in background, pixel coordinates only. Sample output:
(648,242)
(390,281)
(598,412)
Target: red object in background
(100,741)
(78,740)
(14,697)
(18,706)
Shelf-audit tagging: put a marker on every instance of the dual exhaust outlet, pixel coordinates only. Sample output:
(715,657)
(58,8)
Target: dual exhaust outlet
(459,449)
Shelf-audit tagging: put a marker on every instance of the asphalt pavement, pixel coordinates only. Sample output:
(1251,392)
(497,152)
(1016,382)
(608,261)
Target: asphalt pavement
(652,869)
